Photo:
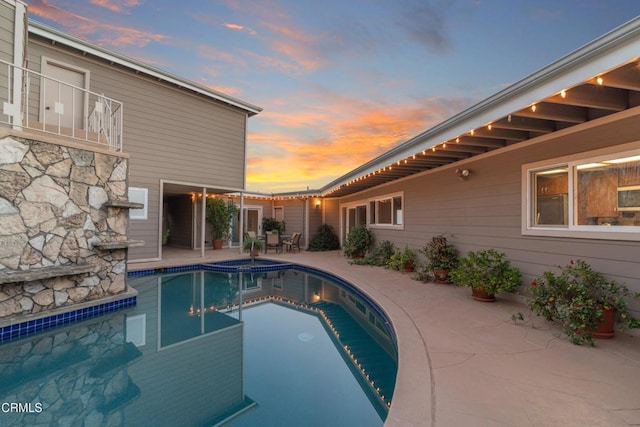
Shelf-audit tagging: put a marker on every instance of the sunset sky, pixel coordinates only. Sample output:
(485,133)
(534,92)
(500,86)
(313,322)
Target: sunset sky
(340,81)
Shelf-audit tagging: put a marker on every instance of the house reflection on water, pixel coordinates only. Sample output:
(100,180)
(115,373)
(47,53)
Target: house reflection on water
(177,358)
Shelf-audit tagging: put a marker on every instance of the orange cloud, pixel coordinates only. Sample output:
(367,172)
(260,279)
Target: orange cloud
(364,132)
(102,33)
(116,5)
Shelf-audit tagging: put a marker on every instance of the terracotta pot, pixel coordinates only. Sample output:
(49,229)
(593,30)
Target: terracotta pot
(442,276)
(255,252)
(605,329)
(217,243)
(481,295)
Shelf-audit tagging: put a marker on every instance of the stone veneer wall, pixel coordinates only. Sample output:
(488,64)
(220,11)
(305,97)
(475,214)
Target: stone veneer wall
(52,211)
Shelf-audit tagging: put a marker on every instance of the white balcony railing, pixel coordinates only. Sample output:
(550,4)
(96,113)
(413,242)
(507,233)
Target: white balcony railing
(31,100)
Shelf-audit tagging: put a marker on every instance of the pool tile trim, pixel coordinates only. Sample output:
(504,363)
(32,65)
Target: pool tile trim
(20,330)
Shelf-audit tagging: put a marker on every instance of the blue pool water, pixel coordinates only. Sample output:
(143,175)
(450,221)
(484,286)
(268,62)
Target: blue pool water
(269,348)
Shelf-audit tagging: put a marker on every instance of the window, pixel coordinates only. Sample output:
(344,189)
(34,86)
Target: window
(386,211)
(278,213)
(597,196)
(138,195)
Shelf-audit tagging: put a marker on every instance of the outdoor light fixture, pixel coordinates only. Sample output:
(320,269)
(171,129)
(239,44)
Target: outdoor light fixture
(462,173)
(318,203)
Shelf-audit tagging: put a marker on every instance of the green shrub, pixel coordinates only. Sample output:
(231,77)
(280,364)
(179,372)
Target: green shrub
(325,239)
(359,241)
(379,255)
(402,260)
(487,270)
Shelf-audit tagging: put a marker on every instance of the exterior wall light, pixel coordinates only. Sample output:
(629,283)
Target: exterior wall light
(463,173)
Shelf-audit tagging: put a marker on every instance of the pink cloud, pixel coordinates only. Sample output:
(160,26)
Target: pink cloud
(237,27)
(118,6)
(102,33)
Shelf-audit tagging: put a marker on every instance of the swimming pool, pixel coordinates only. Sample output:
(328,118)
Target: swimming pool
(279,347)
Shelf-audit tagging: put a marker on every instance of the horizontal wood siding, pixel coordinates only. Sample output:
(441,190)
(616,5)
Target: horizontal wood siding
(169,133)
(484,211)
(7,25)
(315,219)
(332,213)
(294,213)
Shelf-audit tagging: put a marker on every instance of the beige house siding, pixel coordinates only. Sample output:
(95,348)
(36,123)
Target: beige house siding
(332,213)
(7,25)
(294,217)
(171,134)
(315,218)
(484,211)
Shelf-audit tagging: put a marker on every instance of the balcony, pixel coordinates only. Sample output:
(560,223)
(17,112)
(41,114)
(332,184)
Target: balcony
(34,101)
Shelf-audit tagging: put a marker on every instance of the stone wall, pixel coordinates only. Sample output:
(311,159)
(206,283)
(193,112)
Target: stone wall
(52,212)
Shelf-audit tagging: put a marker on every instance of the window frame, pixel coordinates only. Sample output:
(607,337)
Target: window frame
(394,224)
(135,194)
(573,230)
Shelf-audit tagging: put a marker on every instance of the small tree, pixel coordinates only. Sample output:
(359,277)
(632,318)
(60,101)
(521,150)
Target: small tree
(218,216)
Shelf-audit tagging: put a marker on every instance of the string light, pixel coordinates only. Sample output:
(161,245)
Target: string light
(600,80)
(533,108)
(563,93)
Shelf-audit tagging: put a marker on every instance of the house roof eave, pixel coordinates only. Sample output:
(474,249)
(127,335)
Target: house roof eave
(618,47)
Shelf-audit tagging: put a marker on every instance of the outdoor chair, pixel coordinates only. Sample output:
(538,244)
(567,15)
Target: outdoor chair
(294,243)
(272,240)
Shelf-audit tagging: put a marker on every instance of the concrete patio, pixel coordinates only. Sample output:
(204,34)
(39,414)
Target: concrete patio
(465,363)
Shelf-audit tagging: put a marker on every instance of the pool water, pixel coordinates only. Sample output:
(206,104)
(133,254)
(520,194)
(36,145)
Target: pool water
(282,348)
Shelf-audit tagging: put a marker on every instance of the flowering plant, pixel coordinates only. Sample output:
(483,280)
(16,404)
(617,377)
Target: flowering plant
(577,297)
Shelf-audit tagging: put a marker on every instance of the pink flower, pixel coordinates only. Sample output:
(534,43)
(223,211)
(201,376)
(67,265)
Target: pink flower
(534,284)
(571,262)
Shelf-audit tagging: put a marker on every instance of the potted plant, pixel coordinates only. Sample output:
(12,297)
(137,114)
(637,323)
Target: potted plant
(486,272)
(585,303)
(379,255)
(253,245)
(403,260)
(359,241)
(271,224)
(442,257)
(218,216)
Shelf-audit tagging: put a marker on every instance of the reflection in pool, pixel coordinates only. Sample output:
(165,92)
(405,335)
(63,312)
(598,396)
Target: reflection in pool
(203,348)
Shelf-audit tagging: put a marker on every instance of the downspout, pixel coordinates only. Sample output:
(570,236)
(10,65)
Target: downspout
(203,221)
(241,221)
(306,223)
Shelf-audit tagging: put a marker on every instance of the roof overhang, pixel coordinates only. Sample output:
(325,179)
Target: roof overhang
(597,80)
(41,30)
